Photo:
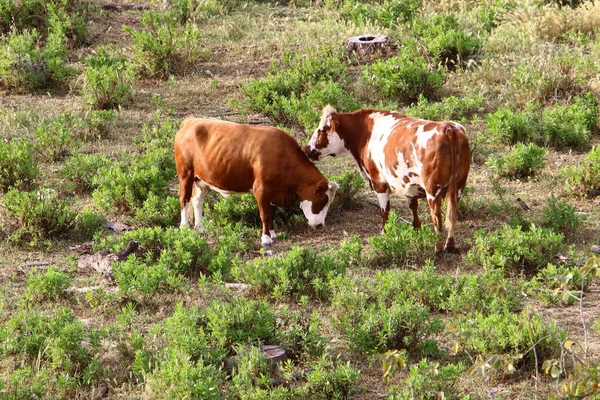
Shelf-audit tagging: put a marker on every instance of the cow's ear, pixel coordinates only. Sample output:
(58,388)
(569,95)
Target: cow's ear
(322,187)
(333,187)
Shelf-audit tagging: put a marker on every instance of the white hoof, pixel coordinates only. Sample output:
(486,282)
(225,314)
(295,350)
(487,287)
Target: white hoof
(266,240)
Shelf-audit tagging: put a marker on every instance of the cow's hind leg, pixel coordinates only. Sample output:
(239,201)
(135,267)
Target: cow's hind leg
(198,202)
(267,215)
(435,210)
(186,184)
(384,207)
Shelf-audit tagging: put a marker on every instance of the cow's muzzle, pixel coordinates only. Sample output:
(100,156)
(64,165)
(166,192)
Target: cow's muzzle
(312,154)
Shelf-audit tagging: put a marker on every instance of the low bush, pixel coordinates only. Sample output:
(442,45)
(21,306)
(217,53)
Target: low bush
(445,40)
(512,335)
(251,372)
(108,80)
(449,108)
(402,245)
(351,185)
(58,342)
(508,126)
(158,211)
(25,67)
(301,271)
(295,91)
(330,381)
(405,77)
(18,168)
(514,250)
(48,285)
(143,277)
(81,170)
(88,223)
(162,47)
(521,162)
(427,380)
(388,14)
(551,283)
(583,179)
(300,333)
(54,139)
(560,216)
(33,218)
(566,126)
(240,321)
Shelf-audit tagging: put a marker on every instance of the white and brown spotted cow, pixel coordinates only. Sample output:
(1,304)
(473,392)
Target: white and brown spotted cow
(235,158)
(400,154)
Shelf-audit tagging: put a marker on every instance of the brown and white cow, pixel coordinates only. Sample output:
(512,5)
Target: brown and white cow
(400,154)
(235,158)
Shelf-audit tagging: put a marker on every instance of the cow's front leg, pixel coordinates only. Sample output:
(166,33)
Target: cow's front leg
(384,207)
(267,215)
(198,203)
(414,206)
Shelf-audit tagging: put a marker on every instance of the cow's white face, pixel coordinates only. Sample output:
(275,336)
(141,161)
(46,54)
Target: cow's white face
(325,141)
(317,203)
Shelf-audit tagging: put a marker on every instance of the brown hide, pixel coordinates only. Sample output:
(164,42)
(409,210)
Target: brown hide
(239,158)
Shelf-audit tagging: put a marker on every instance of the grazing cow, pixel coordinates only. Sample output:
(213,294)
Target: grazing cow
(235,158)
(400,154)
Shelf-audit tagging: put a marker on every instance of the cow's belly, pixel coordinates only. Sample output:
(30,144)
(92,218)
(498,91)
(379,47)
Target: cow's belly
(412,188)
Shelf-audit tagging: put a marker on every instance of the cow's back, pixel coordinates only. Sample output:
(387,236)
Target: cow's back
(231,156)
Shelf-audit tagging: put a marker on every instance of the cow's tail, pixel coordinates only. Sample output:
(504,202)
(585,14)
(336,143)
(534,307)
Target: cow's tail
(451,131)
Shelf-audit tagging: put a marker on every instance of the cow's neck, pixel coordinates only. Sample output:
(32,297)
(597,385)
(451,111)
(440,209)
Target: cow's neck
(354,130)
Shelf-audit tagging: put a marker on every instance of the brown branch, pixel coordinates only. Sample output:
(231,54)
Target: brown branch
(120,7)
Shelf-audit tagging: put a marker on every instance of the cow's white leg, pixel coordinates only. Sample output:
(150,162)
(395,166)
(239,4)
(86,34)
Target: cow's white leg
(184,216)
(266,240)
(273,234)
(198,203)
(384,206)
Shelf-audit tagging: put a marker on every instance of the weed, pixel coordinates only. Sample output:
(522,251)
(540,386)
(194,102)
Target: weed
(162,48)
(301,271)
(550,283)
(330,381)
(560,216)
(405,77)
(523,161)
(509,126)
(88,223)
(18,169)
(50,285)
(402,245)
(54,139)
(300,334)
(514,250)
(584,178)
(449,108)
(37,216)
(81,170)
(109,80)
(427,380)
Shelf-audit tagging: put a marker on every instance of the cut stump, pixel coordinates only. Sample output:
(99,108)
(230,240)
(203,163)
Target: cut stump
(367,43)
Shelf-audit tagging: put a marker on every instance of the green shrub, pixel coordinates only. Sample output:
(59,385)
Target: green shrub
(18,169)
(510,127)
(300,333)
(560,216)
(54,139)
(239,321)
(445,41)
(251,371)
(81,170)
(162,47)
(231,240)
(35,217)
(42,15)
(183,250)
(46,286)
(523,161)
(405,77)
(427,380)
(295,91)
(143,277)
(88,223)
(351,185)
(402,245)
(550,284)
(330,381)
(511,334)
(108,80)
(59,342)
(584,178)
(24,67)
(301,271)
(449,108)
(158,211)
(515,250)
(566,126)
(389,13)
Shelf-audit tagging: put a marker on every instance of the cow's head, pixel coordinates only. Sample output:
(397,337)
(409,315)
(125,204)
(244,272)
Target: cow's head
(326,141)
(315,201)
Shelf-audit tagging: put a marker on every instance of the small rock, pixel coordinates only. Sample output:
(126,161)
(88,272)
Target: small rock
(596,249)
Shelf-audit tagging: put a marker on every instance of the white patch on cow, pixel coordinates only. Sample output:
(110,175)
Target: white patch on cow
(184,216)
(424,137)
(273,234)
(265,240)
(222,192)
(319,219)
(412,189)
(383,199)
(434,196)
(383,127)
(459,193)
(198,203)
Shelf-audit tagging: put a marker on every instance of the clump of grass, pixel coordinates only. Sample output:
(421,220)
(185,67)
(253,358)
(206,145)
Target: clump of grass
(18,168)
(523,161)
(584,178)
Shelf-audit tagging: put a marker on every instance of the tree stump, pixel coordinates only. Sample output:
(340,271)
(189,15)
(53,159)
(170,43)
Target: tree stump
(367,43)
